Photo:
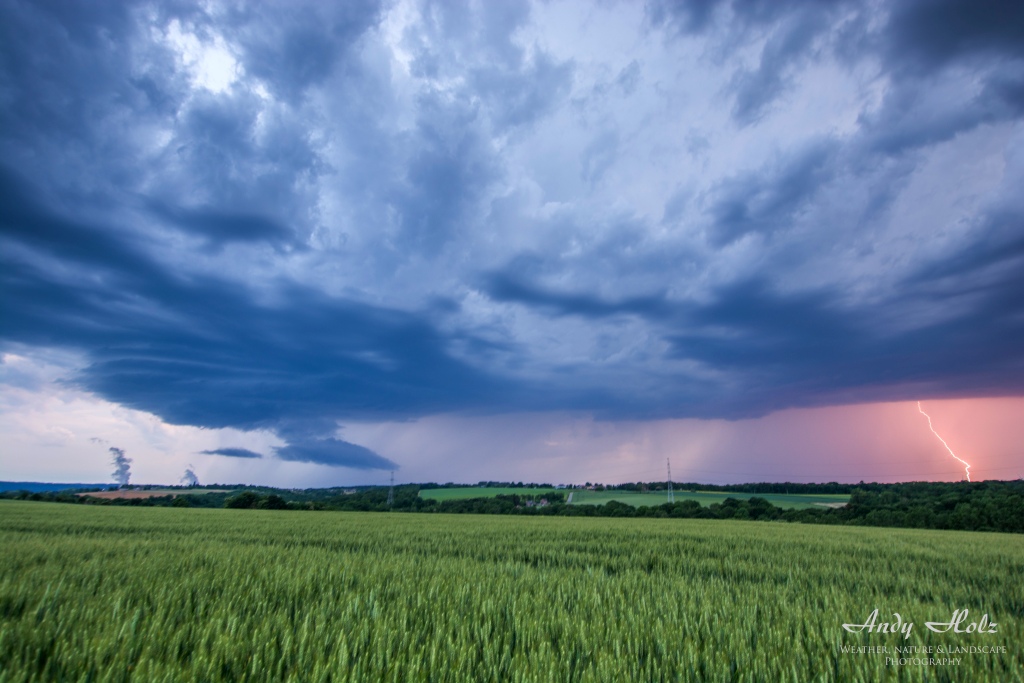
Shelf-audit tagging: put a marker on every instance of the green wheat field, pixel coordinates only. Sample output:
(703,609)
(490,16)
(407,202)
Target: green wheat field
(165,594)
(636,499)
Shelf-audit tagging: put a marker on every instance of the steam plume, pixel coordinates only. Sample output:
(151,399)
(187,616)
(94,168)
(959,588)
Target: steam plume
(190,478)
(122,466)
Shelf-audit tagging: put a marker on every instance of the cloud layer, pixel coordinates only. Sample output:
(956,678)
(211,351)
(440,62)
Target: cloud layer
(288,216)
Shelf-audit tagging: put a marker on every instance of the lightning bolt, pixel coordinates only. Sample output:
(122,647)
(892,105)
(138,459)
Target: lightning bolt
(967,468)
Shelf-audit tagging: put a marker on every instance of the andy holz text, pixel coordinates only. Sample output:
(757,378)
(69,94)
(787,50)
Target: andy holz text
(897,625)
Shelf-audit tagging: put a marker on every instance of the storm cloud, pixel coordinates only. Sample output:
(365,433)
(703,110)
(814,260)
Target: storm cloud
(284,218)
(232,452)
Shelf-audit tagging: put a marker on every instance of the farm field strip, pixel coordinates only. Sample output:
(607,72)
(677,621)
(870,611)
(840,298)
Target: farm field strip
(148,493)
(467,492)
(705,498)
(636,499)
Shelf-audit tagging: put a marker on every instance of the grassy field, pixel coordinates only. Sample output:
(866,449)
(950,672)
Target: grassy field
(580,497)
(782,500)
(465,492)
(163,594)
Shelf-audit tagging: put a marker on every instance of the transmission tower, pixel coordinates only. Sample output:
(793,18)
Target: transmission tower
(391,490)
(671,496)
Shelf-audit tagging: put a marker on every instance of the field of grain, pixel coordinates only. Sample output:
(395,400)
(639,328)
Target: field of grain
(148,493)
(154,594)
(466,492)
(635,498)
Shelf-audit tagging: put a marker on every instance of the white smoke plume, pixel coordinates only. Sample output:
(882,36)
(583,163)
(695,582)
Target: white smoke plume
(122,466)
(190,478)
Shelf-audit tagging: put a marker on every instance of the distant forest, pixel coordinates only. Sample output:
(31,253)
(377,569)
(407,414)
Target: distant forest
(977,506)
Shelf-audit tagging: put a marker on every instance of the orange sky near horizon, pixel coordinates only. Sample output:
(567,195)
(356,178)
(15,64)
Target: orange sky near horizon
(883,442)
(874,442)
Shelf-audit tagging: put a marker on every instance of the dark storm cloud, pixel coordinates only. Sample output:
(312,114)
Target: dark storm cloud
(507,287)
(131,199)
(767,199)
(298,48)
(512,89)
(923,42)
(233,452)
(235,157)
(241,364)
(447,173)
(986,266)
(794,347)
(814,347)
(910,118)
(925,35)
(334,452)
(697,16)
(756,89)
(89,85)
(919,37)
(26,222)
(688,17)
(445,168)
(201,350)
(56,85)
(220,228)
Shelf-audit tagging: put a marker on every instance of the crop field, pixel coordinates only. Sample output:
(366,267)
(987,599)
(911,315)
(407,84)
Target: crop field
(636,499)
(466,492)
(651,498)
(164,594)
(149,493)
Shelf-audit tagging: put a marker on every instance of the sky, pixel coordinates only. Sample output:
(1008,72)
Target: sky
(309,244)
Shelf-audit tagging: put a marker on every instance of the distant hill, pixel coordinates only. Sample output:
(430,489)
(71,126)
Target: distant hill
(40,486)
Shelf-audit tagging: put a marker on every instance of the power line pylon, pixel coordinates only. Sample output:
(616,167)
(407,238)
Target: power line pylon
(671,496)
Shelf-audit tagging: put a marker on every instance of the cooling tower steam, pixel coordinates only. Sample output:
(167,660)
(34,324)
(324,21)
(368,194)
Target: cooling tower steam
(122,466)
(190,478)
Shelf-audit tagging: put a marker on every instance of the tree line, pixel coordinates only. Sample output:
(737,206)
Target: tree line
(969,506)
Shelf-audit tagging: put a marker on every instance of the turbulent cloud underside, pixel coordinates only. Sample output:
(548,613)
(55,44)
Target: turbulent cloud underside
(280,217)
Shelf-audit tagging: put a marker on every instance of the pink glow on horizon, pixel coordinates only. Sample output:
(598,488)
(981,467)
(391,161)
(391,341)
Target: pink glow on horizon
(884,442)
(877,442)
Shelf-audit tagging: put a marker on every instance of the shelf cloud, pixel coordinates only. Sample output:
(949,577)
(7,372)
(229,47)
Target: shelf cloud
(291,217)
